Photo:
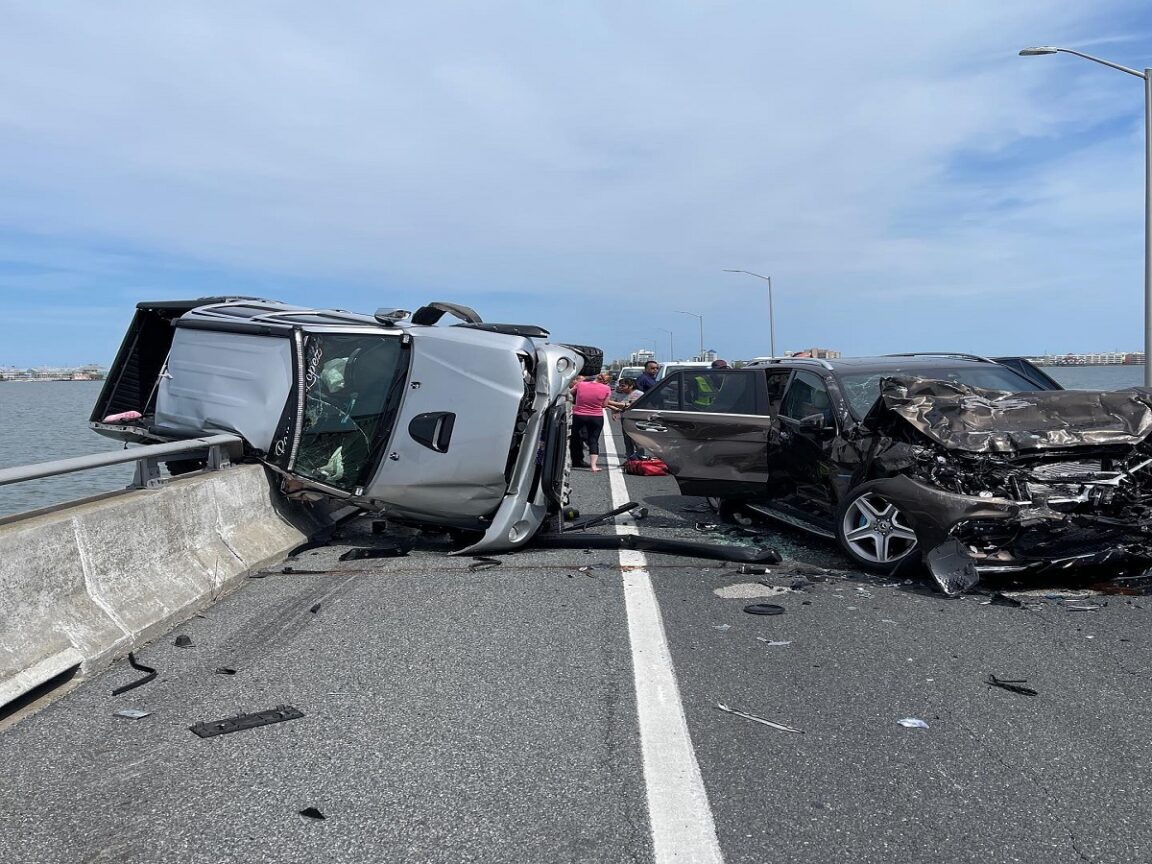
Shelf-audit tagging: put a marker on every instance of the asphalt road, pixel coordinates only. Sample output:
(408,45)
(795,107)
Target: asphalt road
(454,713)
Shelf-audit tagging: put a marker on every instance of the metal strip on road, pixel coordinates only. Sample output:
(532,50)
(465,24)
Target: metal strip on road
(681,820)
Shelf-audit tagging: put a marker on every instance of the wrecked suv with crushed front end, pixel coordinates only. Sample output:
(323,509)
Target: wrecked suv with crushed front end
(1011,482)
(458,427)
(972,466)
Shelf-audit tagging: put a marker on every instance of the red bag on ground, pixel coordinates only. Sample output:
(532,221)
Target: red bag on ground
(646,466)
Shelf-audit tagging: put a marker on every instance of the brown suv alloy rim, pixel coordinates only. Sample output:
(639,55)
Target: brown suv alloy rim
(875,531)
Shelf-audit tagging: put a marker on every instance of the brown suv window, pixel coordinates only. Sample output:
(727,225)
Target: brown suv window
(665,396)
(777,382)
(726,392)
(807,395)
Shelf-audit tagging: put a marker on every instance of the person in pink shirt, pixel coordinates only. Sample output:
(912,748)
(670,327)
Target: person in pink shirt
(590,397)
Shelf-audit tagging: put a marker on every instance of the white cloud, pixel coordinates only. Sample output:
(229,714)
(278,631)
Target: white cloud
(588,168)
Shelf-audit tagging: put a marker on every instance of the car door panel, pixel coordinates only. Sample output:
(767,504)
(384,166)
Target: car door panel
(800,457)
(710,449)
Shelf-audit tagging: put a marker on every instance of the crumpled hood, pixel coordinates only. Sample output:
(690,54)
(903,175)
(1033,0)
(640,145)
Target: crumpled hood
(991,421)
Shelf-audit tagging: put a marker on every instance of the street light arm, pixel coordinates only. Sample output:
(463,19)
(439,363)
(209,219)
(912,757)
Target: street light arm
(749,273)
(1033,52)
(1102,62)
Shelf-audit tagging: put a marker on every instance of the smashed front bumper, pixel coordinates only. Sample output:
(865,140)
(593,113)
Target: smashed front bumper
(965,537)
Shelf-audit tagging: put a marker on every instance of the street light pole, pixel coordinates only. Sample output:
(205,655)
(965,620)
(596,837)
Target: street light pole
(671,356)
(1147,76)
(771,313)
(700,318)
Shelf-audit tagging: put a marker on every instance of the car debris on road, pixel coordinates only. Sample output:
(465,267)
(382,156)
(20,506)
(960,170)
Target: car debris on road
(211,728)
(1010,686)
(912,723)
(132,685)
(757,719)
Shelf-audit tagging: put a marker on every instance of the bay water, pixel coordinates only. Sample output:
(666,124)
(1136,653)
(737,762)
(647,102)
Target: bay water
(45,420)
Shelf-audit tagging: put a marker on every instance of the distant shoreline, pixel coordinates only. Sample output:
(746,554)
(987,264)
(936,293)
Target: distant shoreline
(1078,365)
(40,380)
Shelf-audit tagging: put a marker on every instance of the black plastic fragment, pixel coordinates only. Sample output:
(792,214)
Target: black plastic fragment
(952,568)
(600,518)
(398,550)
(312,813)
(280,713)
(308,546)
(752,570)
(999,599)
(183,641)
(315,609)
(764,609)
(698,508)
(1011,686)
(324,536)
(224,670)
(484,563)
(714,551)
(139,681)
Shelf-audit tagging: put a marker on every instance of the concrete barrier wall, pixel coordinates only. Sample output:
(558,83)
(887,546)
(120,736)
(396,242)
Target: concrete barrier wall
(86,583)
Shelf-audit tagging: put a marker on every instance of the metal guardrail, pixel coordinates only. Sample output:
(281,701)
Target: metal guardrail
(216,450)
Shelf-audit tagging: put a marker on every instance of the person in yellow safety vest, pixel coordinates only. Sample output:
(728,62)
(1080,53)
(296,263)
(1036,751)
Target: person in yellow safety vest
(704,392)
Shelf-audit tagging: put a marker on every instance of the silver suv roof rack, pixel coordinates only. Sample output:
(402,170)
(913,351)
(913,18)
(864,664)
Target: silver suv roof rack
(959,354)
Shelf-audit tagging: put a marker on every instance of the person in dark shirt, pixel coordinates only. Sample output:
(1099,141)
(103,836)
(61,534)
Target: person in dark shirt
(647,379)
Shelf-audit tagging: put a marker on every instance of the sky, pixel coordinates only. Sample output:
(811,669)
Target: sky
(906,180)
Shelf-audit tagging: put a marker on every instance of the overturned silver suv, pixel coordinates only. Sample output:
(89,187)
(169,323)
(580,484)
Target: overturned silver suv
(460,427)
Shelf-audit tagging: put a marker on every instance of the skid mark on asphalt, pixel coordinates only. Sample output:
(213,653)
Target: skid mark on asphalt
(681,820)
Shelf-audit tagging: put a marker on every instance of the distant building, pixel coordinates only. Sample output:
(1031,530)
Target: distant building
(1094,358)
(817,353)
(89,372)
(639,358)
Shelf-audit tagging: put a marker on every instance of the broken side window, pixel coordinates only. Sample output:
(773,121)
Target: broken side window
(348,379)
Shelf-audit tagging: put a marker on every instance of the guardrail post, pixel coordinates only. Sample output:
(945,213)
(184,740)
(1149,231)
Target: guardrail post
(218,458)
(147,474)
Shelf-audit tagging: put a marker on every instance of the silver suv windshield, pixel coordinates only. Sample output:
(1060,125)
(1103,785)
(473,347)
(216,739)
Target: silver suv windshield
(350,403)
(862,389)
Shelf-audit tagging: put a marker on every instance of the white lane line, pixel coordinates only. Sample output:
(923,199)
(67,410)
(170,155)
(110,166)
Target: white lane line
(682,826)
